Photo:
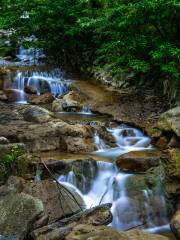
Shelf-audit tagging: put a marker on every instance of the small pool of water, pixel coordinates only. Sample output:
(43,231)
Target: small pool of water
(82,118)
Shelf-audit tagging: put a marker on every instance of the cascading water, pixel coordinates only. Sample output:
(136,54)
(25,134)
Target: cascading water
(30,55)
(131,205)
(41,81)
(86,110)
(99,142)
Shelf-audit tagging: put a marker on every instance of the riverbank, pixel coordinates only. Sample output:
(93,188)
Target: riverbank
(88,118)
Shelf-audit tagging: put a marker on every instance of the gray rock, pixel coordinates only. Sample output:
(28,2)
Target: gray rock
(37,114)
(97,216)
(57,105)
(4,140)
(18,211)
(170,121)
(58,203)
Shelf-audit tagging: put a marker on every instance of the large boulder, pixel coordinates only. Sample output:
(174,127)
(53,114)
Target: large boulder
(57,200)
(41,99)
(138,161)
(170,121)
(18,212)
(175,224)
(88,232)
(36,114)
(70,102)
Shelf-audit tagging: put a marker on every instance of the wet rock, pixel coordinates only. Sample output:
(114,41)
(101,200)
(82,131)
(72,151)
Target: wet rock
(44,86)
(4,140)
(37,114)
(76,145)
(70,102)
(14,95)
(141,235)
(170,121)
(3,96)
(88,232)
(162,143)
(17,212)
(51,135)
(138,161)
(175,224)
(30,90)
(100,215)
(57,105)
(42,99)
(57,201)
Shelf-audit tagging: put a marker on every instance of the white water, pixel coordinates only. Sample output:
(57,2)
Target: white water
(86,110)
(110,185)
(29,55)
(127,139)
(52,81)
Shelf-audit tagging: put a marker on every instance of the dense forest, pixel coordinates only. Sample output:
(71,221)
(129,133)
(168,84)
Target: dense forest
(134,41)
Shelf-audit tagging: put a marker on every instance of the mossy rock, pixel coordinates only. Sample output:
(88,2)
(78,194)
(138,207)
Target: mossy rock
(18,212)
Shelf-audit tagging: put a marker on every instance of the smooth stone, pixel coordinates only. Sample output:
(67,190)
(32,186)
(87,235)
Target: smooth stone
(138,161)
(30,90)
(42,99)
(37,114)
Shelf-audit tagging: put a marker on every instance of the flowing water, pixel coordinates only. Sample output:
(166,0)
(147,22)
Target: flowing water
(103,182)
(39,79)
(134,202)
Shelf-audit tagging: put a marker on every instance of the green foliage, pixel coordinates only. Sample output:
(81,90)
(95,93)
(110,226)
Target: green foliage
(139,36)
(10,164)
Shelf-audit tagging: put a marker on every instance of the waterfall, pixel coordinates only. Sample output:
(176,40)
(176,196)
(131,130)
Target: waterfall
(29,55)
(144,206)
(86,110)
(41,81)
(127,139)
(99,142)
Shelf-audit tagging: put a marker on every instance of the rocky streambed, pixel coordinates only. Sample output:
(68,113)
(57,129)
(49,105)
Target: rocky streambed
(77,158)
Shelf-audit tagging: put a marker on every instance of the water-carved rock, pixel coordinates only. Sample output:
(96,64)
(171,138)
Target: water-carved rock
(36,114)
(42,99)
(138,161)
